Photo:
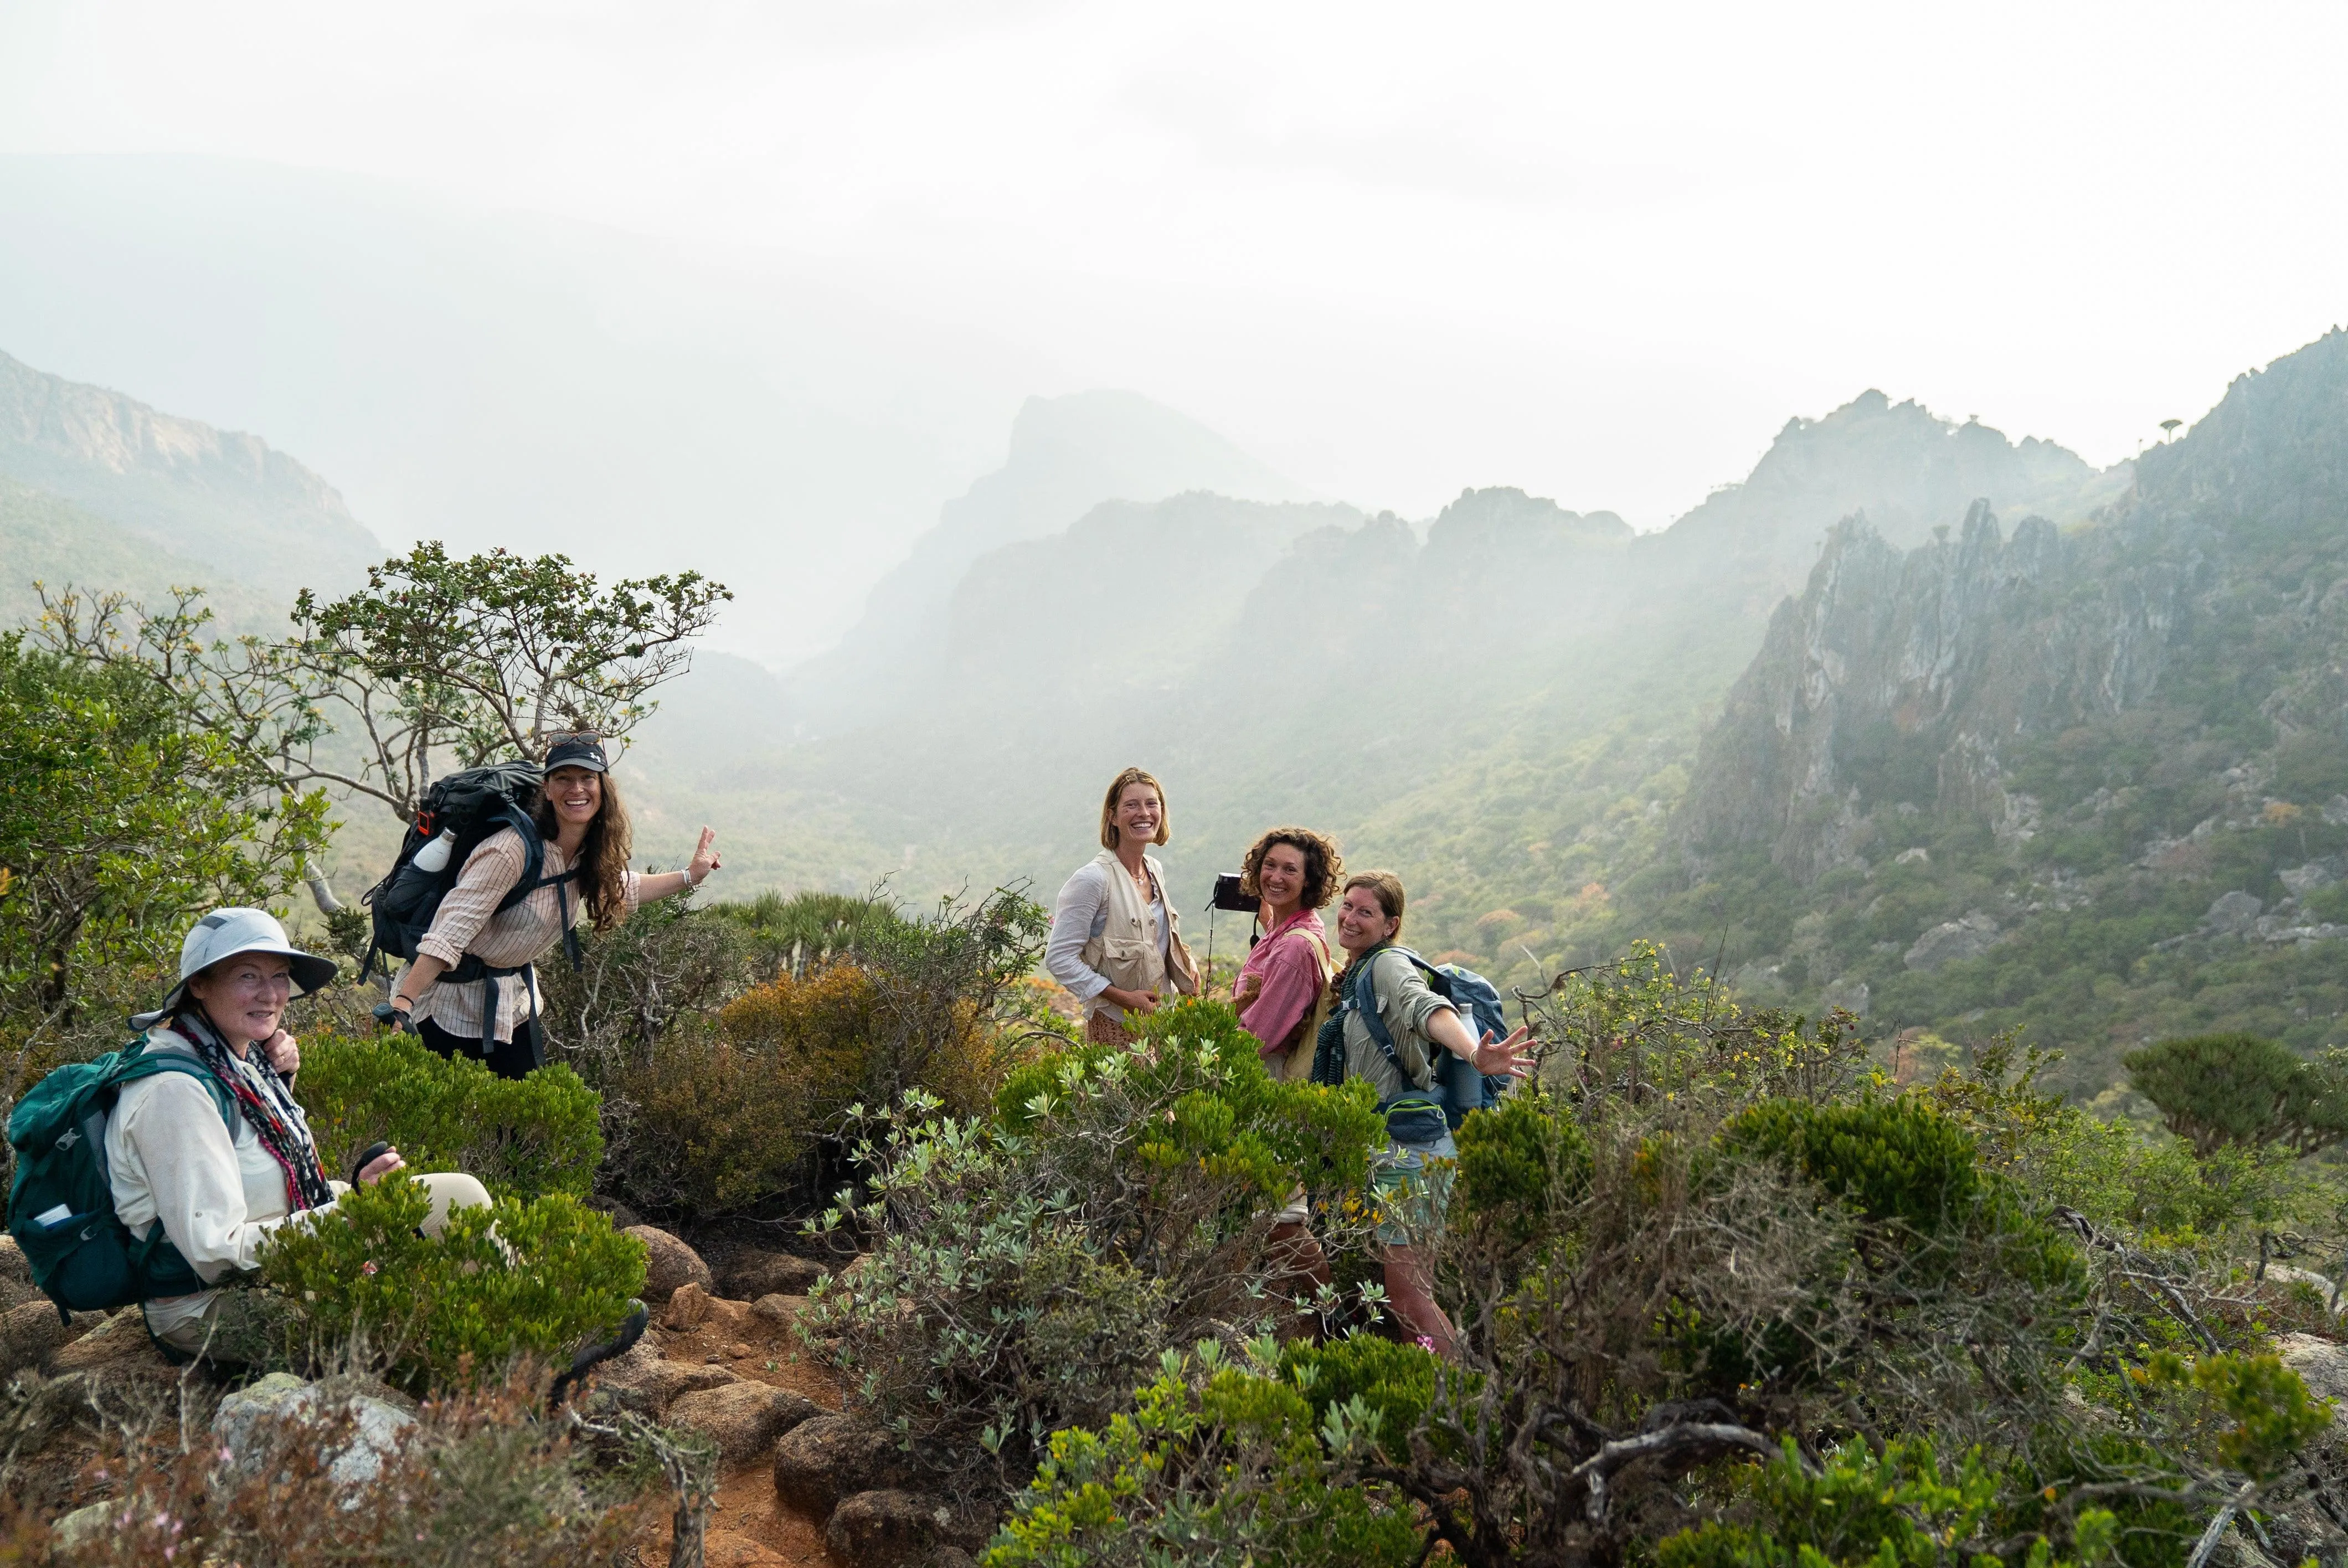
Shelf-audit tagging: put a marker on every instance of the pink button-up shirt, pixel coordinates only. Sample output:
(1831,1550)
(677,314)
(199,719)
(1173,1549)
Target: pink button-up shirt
(1290,969)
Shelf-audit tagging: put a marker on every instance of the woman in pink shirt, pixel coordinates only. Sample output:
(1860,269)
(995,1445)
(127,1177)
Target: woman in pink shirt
(1282,995)
(1282,990)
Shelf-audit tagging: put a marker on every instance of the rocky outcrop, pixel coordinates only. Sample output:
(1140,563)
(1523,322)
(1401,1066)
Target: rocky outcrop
(28,1332)
(1900,680)
(226,500)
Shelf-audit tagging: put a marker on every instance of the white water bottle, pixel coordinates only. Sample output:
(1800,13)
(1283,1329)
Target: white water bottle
(434,856)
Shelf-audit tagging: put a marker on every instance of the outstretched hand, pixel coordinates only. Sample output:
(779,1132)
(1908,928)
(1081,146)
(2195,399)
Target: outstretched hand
(1509,1058)
(705,856)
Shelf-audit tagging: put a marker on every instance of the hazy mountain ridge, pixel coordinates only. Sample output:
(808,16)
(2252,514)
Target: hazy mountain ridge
(2090,784)
(1066,455)
(223,498)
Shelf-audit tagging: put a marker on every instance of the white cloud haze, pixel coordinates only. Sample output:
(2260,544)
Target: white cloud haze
(1598,251)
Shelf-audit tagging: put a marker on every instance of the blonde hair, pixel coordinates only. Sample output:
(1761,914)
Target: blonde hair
(1388,888)
(1118,786)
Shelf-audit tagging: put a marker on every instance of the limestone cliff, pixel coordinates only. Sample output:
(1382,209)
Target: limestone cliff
(224,499)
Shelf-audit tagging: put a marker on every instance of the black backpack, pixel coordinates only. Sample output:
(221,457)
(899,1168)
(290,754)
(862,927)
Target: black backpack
(467,807)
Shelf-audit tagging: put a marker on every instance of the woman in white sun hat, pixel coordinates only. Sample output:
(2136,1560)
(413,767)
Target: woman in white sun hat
(220,1184)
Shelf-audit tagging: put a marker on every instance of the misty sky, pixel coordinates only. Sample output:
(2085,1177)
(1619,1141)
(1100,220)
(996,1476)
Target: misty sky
(1599,251)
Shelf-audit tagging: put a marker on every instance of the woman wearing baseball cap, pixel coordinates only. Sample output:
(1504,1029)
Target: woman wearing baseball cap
(585,871)
(220,1184)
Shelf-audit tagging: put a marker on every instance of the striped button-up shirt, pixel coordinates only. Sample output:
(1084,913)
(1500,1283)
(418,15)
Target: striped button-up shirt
(469,921)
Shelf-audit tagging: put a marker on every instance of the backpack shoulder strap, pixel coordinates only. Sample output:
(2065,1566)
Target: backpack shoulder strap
(143,1062)
(1365,1000)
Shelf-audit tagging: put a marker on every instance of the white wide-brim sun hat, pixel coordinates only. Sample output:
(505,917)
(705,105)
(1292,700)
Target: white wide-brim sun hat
(230,933)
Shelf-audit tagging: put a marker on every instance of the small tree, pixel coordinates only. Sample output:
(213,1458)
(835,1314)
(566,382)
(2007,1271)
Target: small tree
(2214,1089)
(118,823)
(436,661)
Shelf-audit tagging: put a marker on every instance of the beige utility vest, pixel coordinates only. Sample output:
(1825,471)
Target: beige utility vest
(1127,948)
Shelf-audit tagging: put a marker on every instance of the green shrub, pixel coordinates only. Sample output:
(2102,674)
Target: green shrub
(1895,1160)
(1900,1509)
(1516,1160)
(510,1279)
(1214,1464)
(1391,1381)
(1030,1268)
(2220,1089)
(522,1137)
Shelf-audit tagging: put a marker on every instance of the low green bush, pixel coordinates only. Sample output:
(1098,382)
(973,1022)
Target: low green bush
(1900,1509)
(522,1137)
(1215,1463)
(1029,1267)
(1391,1381)
(511,1279)
(1896,1161)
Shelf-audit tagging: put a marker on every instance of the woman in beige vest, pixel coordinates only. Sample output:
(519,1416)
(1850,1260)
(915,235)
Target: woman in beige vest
(1117,943)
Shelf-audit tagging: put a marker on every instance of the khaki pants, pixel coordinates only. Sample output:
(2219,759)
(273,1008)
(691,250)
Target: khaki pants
(240,1325)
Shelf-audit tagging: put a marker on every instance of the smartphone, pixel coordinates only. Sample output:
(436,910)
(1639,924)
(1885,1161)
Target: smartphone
(1229,896)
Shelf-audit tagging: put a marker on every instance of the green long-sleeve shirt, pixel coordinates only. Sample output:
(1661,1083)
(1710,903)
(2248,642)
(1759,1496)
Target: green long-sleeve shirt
(1407,1004)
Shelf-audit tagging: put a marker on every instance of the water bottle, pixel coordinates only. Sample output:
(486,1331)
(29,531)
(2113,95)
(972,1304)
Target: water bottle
(434,856)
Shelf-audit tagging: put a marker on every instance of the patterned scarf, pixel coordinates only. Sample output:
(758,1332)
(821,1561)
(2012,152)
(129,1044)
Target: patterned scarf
(267,1105)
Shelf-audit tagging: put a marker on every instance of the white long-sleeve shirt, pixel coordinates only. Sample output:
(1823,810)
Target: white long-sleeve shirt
(1080,914)
(218,1195)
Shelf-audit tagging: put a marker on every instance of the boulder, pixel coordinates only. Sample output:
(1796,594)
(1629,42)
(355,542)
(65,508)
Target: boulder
(27,1334)
(827,1458)
(645,1381)
(2234,912)
(891,1529)
(751,1275)
(2321,1364)
(1952,941)
(668,1263)
(258,1421)
(742,1418)
(118,1350)
(686,1308)
(782,1310)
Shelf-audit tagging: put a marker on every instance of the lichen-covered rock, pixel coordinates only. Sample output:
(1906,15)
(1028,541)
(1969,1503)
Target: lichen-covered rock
(742,1418)
(668,1263)
(257,1422)
(827,1458)
(645,1381)
(890,1529)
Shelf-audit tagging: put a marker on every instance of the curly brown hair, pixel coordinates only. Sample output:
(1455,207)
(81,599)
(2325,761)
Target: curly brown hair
(1322,864)
(603,855)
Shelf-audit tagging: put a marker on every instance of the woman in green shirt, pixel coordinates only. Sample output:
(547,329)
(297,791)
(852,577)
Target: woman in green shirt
(1412,1176)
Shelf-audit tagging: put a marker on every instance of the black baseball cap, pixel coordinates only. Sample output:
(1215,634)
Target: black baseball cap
(577,751)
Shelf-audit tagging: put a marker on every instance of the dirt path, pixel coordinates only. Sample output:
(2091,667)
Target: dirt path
(749,1526)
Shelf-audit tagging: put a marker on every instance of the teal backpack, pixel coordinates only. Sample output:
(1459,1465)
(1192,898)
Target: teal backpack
(61,1203)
